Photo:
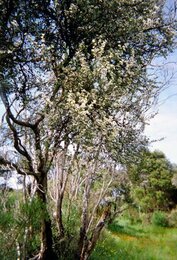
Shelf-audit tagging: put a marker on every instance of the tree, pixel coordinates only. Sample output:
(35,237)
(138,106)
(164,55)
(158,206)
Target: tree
(151,178)
(74,81)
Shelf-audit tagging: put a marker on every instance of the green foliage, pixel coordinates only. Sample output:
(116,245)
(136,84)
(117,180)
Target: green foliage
(159,218)
(6,220)
(151,179)
(29,218)
(7,205)
(19,223)
(31,213)
(8,228)
(66,247)
(134,242)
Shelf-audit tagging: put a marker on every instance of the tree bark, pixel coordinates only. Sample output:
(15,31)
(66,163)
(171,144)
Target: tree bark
(83,239)
(59,219)
(90,244)
(46,250)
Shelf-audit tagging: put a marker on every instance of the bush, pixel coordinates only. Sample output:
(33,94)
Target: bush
(146,218)
(172,218)
(159,218)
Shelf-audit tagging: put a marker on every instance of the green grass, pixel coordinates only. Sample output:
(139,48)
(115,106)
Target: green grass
(122,241)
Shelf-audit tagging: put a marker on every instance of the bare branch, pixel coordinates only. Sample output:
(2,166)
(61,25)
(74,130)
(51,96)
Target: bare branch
(14,166)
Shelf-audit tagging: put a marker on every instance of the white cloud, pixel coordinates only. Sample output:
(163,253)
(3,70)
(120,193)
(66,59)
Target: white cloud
(164,125)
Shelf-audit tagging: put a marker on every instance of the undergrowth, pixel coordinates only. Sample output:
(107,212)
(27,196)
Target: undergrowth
(121,241)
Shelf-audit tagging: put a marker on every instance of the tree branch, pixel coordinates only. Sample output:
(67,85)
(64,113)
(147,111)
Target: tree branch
(14,166)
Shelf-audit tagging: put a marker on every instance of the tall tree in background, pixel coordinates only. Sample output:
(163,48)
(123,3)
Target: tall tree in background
(74,84)
(151,179)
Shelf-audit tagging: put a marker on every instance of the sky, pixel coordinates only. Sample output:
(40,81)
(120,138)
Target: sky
(164,124)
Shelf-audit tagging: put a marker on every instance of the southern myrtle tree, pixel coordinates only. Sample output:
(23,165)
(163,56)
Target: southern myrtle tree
(74,84)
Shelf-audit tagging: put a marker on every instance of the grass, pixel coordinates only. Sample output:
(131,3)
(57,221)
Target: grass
(123,241)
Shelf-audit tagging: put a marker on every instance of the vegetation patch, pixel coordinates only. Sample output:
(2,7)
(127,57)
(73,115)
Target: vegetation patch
(138,242)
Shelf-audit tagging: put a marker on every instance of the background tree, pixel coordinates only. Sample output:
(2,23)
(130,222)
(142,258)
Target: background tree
(151,178)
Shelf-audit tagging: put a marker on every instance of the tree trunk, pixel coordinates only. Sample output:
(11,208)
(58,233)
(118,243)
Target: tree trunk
(89,245)
(82,245)
(59,219)
(46,251)
(83,240)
